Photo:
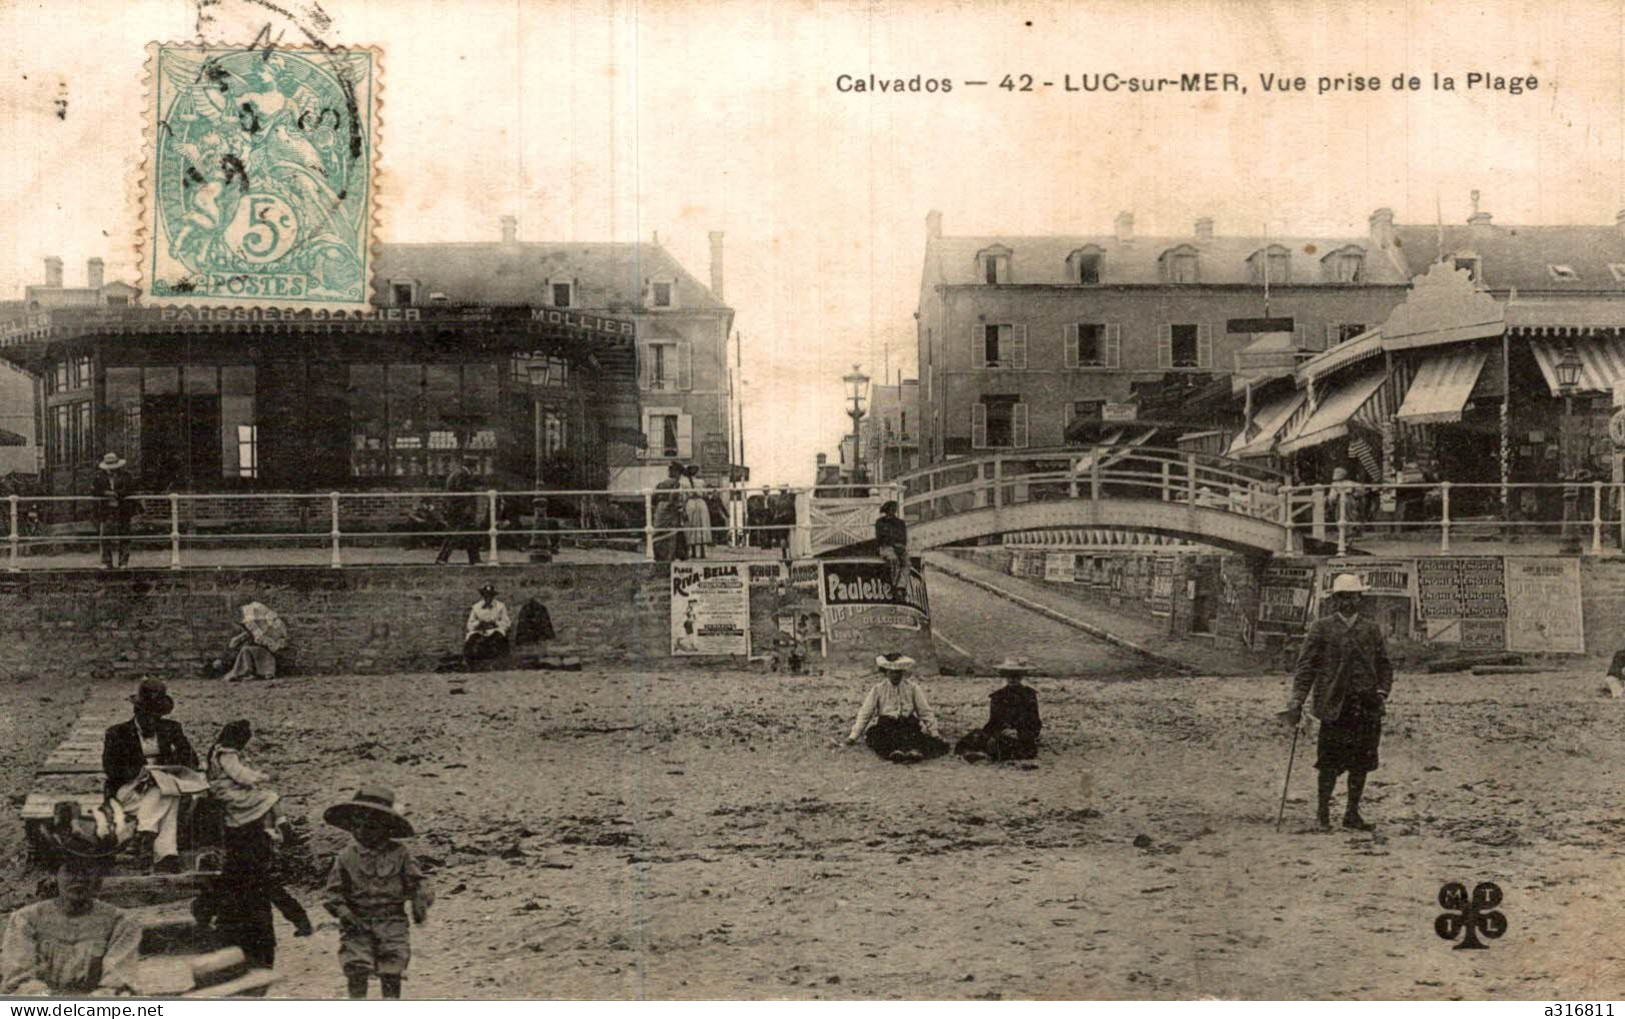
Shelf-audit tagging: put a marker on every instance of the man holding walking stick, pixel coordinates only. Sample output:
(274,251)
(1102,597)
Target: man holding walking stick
(1344,663)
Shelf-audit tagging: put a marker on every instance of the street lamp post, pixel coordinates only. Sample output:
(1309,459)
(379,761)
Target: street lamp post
(540,550)
(857,389)
(1568,370)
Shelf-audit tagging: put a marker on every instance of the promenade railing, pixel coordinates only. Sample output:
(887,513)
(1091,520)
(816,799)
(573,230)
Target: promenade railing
(352,528)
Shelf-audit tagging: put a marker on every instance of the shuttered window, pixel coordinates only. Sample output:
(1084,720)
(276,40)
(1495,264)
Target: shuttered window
(1185,345)
(998,422)
(999,345)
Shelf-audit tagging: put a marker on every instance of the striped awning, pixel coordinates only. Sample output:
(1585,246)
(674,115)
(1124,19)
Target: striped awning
(1442,385)
(1576,314)
(1358,398)
(1268,422)
(1602,362)
(1367,344)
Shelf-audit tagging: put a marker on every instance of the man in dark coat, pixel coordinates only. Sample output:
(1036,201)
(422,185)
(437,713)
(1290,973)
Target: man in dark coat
(891,541)
(112,488)
(1013,725)
(127,749)
(461,514)
(756,518)
(1344,664)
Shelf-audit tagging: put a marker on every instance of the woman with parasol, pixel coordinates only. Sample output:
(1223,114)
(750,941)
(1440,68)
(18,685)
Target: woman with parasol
(261,636)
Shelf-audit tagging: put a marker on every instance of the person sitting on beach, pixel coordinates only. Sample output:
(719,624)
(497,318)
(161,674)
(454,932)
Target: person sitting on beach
(150,766)
(260,636)
(71,944)
(896,720)
(242,789)
(1013,725)
(487,631)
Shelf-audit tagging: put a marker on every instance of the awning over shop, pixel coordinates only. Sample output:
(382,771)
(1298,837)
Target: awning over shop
(1269,356)
(1113,448)
(1602,362)
(1367,344)
(1566,315)
(1268,422)
(1354,399)
(10,438)
(1442,385)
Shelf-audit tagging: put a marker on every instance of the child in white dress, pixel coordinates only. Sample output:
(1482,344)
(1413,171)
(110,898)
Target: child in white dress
(241,788)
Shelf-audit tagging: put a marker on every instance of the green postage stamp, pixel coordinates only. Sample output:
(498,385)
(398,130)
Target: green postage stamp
(259,188)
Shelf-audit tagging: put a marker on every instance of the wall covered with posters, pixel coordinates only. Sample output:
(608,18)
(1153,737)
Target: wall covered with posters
(836,612)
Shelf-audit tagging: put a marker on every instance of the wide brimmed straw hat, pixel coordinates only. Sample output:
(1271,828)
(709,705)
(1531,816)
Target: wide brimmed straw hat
(374,802)
(153,695)
(893,662)
(81,834)
(1011,664)
(1348,583)
(111,462)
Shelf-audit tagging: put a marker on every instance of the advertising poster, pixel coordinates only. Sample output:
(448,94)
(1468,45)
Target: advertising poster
(1162,587)
(1390,602)
(1060,567)
(1286,595)
(1543,605)
(859,606)
(785,610)
(710,609)
(1462,600)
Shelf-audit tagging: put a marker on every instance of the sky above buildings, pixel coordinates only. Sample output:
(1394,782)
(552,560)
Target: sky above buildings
(614,121)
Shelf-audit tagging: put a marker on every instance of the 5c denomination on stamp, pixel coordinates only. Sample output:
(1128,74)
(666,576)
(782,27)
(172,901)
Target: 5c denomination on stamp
(259,184)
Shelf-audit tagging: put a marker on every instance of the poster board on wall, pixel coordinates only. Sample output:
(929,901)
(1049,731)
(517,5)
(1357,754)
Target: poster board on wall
(1543,605)
(860,611)
(1286,597)
(1160,592)
(1391,598)
(1462,600)
(710,609)
(785,609)
(1060,567)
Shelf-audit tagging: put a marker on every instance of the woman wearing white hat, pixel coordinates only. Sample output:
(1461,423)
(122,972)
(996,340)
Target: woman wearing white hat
(896,720)
(1344,663)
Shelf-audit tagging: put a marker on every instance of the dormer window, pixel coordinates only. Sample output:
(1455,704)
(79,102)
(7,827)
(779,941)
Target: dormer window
(561,293)
(993,265)
(1088,265)
(1270,265)
(662,294)
(1345,265)
(1468,263)
(1563,273)
(1180,265)
(403,293)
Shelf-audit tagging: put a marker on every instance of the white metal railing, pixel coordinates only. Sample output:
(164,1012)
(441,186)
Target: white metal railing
(353,527)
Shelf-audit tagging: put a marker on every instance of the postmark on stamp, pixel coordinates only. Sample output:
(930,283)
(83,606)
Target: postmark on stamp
(259,184)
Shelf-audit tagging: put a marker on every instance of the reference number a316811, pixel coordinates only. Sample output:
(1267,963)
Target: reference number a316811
(1584,1009)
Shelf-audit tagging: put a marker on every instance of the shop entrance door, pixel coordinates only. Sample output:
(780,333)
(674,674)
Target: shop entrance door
(180,442)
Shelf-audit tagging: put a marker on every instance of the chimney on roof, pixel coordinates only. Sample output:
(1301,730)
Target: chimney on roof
(1125,226)
(933,225)
(53,271)
(1204,229)
(1479,220)
(95,274)
(510,230)
(1382,228)
(716,263)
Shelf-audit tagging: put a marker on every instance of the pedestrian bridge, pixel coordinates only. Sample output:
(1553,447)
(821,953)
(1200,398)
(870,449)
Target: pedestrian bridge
(1199,497)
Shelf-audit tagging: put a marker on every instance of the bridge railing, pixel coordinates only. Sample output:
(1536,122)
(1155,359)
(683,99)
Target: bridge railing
(351,528)
(1104,472)
(1441,515)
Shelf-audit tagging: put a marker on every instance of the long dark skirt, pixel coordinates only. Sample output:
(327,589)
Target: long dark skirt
(1349,743)
(485,647)
(240,900)
(889,734)
(1007,745)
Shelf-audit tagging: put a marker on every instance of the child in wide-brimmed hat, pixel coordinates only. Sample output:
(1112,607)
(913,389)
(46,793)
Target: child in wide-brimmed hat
(373,880)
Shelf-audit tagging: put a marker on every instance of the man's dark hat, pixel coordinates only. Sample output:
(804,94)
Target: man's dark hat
(371,802)
(488,589)
(153,696)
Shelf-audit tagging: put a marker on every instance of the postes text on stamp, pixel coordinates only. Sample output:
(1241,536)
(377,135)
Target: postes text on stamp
(259,188)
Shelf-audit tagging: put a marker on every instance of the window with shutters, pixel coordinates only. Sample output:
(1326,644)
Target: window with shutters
(667,367)
(1181,265)
(1184,346)
(999,422)
(1345,265)
(1271,264)
(1000,345)
(668,434)
(1342,332)
(993,265)
(1088,265)
(1093,345)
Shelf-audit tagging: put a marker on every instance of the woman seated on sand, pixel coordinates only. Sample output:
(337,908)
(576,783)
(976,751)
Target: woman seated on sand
(261,635)
(896,720)
(487,631)
(1013,725)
